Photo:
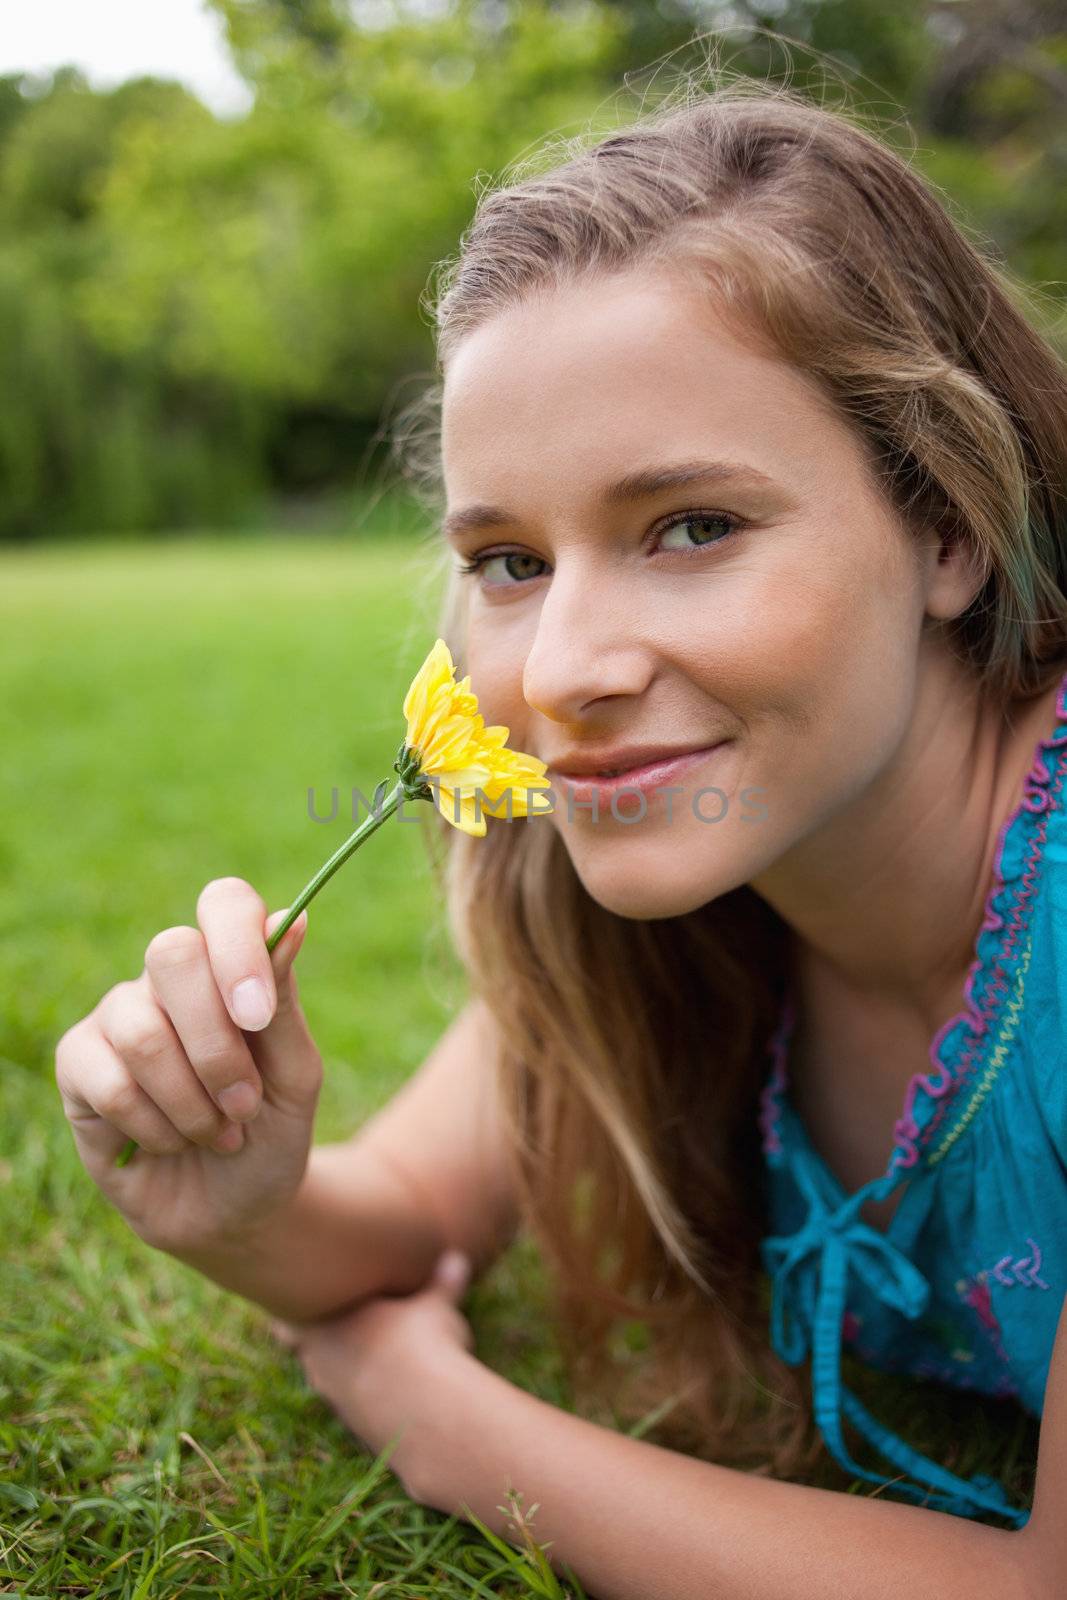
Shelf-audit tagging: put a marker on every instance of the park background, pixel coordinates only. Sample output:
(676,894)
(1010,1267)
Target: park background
(214,589)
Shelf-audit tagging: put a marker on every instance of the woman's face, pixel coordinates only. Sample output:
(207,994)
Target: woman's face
(762,597)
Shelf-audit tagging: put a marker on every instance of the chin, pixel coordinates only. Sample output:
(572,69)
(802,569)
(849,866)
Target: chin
(644,886)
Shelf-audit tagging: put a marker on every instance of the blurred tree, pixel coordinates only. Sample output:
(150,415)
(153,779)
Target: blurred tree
(282,257)
(84,437)
(14,102)
(197,312)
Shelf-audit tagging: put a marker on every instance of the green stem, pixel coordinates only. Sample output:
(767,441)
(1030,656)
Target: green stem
(308,893)
(339,857)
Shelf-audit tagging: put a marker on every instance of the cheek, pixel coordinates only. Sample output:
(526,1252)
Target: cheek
(856,636)
(767,643)
(829,630)
(496,664)
(844,663)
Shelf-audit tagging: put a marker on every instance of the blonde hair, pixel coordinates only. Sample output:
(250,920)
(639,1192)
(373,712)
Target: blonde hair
(633,1052)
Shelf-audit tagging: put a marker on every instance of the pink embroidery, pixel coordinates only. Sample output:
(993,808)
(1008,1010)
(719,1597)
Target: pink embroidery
(770,1105)
(977,1295)
(975,1292)
(1024,1271)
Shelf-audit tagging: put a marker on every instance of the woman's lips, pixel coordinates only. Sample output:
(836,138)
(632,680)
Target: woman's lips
(653,775)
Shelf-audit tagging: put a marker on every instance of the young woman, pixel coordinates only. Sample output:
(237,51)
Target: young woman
(755,482)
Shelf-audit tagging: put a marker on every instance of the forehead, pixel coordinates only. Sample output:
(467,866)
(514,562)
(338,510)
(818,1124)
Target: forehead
(579,384)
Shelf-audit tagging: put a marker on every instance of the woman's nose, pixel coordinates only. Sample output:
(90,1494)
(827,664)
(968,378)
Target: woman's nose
(585,648)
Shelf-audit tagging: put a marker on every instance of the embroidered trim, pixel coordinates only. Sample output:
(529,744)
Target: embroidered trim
(977,1015)
(1044,797)
(996,1061)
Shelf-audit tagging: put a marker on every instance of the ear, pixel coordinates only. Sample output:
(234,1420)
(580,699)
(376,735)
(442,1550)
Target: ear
(954,570)
(452,1273)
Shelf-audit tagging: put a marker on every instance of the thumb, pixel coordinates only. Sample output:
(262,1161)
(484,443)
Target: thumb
(282,957)
(284,1332)
(285,951)
(284,1050)
(452,1273)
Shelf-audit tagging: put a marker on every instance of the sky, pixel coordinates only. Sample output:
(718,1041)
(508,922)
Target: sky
(111,40)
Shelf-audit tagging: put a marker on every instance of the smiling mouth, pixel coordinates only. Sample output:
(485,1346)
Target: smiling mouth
(648,776)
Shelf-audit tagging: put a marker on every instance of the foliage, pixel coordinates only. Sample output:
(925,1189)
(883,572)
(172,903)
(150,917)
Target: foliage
(197,313)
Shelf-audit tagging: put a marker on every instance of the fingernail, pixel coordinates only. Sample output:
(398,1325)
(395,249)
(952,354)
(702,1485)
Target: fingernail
(452,1266)
(251,1004)
(239,1101)
(230,1140)
(278,917)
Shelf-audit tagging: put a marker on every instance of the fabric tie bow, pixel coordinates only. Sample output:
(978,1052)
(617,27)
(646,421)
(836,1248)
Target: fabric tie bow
(809,1271)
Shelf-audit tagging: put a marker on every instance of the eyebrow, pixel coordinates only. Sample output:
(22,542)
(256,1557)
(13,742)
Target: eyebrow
(639,485)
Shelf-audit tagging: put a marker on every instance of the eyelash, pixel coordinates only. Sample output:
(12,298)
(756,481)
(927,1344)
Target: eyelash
(476,563)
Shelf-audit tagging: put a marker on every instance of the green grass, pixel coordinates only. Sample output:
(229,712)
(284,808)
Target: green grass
(164,710)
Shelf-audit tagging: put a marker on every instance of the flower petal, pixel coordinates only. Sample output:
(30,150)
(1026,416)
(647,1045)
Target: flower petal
(463,815)
(454,747)
(472,777)
(435,674)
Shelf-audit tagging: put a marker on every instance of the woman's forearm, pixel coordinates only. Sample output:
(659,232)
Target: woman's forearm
(352,1230)
(635,1521)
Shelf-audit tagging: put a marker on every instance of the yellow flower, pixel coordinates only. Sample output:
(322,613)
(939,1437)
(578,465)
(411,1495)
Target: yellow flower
(449,756)
(448,743)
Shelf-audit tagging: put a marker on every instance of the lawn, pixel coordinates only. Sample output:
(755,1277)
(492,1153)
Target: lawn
(165,709)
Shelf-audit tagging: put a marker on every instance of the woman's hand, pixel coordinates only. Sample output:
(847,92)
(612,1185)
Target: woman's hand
(389,1367)
(219,1095)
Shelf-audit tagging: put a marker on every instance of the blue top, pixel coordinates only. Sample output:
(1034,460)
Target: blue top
(967,1281)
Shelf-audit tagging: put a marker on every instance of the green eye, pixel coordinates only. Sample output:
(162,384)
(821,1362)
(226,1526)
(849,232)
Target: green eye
(709,527)
(482,562)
